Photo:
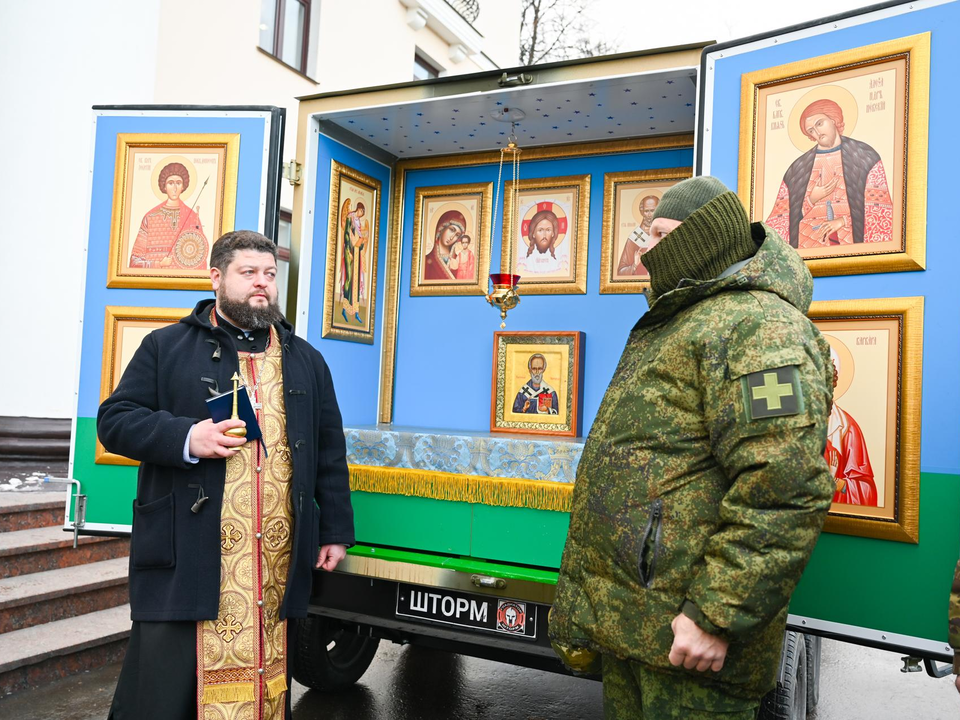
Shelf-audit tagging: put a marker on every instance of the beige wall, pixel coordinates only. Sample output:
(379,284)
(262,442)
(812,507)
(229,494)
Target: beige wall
(100,52)
(382,52)
(227,69)
(499,23)
(358,43)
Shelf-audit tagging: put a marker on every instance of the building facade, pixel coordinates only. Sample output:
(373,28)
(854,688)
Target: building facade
(71,56)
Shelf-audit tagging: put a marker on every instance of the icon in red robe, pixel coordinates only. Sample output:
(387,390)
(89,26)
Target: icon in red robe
(847,456)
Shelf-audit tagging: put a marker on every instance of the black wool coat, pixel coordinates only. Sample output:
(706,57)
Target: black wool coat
(175,553)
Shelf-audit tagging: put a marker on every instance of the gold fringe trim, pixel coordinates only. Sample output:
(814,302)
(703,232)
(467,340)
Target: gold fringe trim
(276,686)
(502,492)
(228,693)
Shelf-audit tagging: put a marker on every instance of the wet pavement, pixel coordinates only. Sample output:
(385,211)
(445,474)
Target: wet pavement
(409,683)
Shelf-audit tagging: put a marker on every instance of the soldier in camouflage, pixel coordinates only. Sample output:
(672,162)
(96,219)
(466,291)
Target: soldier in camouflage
(702,487)
(954,626)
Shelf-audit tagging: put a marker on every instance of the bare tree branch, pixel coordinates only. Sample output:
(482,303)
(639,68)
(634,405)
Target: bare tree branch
(558,30)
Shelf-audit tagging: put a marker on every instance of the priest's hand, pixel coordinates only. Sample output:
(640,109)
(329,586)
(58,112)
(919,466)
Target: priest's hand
(694,648)
(207,439)
(330,556)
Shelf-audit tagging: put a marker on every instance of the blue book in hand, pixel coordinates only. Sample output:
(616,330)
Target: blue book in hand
(221,408)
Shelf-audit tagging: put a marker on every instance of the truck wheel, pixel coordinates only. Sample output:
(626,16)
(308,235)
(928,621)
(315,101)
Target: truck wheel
(327,656)
(789,700)
(813,643)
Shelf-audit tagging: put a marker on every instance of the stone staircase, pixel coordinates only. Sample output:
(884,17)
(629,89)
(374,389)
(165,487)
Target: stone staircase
(62,610)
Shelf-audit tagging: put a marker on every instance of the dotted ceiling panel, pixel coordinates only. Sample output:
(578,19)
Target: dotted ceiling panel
(622,107)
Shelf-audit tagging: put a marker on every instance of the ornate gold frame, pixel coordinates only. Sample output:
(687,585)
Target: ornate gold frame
(905,526)
(608,240)
(916,49)
(112,316)
(577,286)
(228,179)
(329,286)
(484,237)
(391,295)
(574,340)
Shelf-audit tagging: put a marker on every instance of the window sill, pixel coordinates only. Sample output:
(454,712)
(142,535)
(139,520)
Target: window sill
(291,68)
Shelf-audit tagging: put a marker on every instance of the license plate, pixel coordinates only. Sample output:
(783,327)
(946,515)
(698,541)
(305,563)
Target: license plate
(477,612)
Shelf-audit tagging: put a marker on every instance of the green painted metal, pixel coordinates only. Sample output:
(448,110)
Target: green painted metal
(890,586)
(110,489)
(501,534)
(412,522)
(461,564)
(519,535)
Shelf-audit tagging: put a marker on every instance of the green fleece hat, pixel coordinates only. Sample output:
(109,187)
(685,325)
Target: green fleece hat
(686,197)
(714,235)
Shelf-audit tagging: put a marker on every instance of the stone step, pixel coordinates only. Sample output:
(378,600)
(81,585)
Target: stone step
(26,510)
(39,549)
(42,597)
(42,653)
(33,439)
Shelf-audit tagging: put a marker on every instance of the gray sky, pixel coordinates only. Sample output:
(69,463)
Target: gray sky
(642,24)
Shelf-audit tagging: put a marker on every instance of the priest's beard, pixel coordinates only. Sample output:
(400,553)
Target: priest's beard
(244,316)
(536,379)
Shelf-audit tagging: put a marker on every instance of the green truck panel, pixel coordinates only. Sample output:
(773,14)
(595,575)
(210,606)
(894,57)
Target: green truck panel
(503,534)
(899,587)
(412,522)
(519,535)
(110,489)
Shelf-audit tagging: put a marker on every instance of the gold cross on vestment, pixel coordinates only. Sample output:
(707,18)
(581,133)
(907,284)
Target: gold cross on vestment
(277,533)
(228,627)
(772,391)
(229,536)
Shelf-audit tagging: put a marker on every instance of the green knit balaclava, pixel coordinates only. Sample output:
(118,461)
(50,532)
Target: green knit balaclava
(714,235)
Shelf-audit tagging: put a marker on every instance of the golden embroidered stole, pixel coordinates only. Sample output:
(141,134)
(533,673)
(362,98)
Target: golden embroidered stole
(241,656)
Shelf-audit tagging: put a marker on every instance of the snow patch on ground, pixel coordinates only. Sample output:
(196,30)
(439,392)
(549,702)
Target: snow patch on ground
(26,482)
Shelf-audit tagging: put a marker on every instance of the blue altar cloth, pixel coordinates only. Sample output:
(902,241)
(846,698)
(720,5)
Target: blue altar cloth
(526,457)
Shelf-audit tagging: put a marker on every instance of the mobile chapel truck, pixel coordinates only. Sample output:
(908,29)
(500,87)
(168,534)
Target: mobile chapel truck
(460,530)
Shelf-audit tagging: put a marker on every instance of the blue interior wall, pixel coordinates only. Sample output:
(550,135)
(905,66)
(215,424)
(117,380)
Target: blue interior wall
(355,367)
(96,293)
(445,344)
(940,448)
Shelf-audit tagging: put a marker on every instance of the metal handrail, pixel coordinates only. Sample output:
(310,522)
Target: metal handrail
(79,504)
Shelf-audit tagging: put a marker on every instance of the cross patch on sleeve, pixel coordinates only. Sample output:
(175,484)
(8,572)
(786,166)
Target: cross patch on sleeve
(772,393)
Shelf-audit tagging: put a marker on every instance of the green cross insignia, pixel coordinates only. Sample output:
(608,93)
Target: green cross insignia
(772,393)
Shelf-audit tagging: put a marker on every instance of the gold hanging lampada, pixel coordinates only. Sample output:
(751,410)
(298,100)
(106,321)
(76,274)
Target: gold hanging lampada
(505,294)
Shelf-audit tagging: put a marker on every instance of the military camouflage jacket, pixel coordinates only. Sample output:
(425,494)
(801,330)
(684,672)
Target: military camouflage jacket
(954,627)
(702,484)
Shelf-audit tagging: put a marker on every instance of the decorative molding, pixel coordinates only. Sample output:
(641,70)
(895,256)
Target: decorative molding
(416,18)
(448,24)
(457,54)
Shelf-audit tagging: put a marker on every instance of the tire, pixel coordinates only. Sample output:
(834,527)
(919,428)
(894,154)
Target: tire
(327,656)
(813,643)
(789,700)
